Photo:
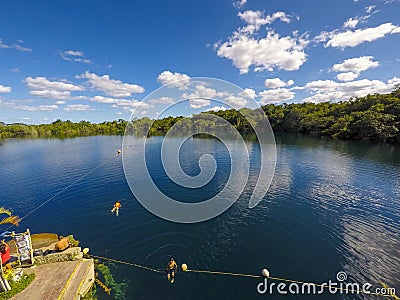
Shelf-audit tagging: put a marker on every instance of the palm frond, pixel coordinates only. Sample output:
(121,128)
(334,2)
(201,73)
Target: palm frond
(5,211)
(11,220)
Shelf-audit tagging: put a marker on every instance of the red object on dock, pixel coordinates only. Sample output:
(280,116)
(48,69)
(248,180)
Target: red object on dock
(5,257)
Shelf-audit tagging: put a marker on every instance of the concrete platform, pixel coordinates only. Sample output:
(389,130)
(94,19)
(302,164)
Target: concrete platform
(62,280)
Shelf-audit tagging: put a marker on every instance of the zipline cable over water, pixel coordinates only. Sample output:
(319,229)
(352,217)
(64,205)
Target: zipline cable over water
(63,190)
(127,263)
(265,274)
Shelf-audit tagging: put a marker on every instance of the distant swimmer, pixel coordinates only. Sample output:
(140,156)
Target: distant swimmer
(116,207)
(171,269)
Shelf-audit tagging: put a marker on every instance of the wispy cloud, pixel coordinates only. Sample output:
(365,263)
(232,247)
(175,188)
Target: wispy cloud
(350,38)
(16,46)
(36,108)
(351,23)
(79,107)
(162,100)
(77,56)
(122,103)
(370,9)
(239,4)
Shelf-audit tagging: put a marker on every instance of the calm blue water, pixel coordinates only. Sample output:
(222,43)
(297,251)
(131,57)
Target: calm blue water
(332,206)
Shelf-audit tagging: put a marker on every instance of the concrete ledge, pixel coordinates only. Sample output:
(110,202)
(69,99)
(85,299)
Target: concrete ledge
(69,254)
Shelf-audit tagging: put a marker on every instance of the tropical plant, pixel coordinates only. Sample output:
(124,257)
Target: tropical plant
(14,220)
(17,286)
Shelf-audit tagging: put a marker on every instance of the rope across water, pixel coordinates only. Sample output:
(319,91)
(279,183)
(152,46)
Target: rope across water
(323,286)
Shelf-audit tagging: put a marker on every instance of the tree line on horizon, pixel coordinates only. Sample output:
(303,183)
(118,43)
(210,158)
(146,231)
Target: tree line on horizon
(372,118)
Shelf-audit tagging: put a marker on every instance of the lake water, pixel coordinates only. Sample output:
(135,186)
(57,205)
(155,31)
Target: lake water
(332,206)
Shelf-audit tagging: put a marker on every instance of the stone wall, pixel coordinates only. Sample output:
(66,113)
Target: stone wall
(66,255)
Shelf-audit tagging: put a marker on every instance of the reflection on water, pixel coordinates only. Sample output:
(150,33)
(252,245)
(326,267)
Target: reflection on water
(332,206)
(362,198)
(371,250)
(378,152)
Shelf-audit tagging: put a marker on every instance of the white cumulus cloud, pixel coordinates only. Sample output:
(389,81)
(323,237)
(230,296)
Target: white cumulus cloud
(199,103)
(202,91)
(352,67)
(178,80)
(346,76)
(111,87)
(5,89)
(276,95)
(277,83)
(256,19)
(42,87)
(245,48)
(356,65)
(248,93)
(268,53)
(42,83)
(202,96)
(329,90)
(236,101)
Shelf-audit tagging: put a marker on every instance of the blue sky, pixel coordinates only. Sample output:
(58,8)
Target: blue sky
(95,60)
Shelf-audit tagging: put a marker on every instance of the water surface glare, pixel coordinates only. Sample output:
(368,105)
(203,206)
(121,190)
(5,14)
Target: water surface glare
(332,206)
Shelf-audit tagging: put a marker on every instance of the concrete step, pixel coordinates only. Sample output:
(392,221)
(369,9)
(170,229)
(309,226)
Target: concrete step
(82,277)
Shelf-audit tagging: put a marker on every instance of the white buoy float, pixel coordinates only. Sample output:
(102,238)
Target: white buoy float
(265,273)
(184,267)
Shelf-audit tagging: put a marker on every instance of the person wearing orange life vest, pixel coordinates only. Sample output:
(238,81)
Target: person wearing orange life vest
(116,207)
(171,268)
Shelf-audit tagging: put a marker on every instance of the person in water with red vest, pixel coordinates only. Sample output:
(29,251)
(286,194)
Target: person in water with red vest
(116,207)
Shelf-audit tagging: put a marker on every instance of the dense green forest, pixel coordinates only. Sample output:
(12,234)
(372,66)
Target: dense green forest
(62,129)
(373,118)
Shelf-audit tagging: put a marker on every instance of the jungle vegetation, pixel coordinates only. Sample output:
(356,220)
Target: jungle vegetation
(372,118)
